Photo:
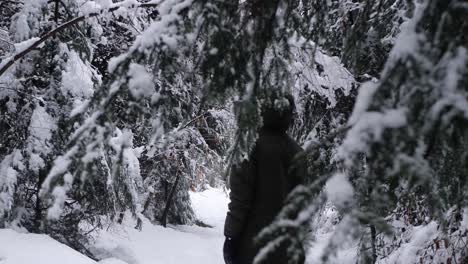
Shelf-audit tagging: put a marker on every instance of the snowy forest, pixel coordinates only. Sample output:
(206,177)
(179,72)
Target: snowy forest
(120,121)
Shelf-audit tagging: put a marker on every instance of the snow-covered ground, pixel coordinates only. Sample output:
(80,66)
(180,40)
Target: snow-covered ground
(188,244)
(175,244)
(124,244)
(152,245)
(19,248)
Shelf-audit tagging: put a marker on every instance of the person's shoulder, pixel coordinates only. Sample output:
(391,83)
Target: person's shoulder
(294,145)
(281,141)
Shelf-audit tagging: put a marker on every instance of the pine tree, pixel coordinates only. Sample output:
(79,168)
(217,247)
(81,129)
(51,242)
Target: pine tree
(43,92)
(390,154)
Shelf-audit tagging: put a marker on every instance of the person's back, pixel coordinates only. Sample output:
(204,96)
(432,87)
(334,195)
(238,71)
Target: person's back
(259,187)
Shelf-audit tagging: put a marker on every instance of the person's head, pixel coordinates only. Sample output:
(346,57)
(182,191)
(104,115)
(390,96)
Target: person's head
(277,114)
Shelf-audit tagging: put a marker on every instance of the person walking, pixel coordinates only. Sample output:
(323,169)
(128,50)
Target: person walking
(259,187)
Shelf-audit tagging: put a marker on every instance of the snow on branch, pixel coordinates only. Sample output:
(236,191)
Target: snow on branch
(128,4)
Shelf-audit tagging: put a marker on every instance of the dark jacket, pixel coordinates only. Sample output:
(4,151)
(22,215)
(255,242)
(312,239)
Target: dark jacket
(260,185)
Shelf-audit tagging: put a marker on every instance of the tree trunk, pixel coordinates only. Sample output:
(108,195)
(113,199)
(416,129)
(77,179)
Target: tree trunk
(38,211)
(169,201)
(57,14)
(373,243)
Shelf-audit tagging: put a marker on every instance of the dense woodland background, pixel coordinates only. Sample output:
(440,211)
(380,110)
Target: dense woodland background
(109,107)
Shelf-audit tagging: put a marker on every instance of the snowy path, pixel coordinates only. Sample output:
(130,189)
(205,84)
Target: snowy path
(175,244)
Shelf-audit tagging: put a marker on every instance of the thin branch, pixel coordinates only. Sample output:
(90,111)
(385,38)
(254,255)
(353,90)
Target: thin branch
(328,138)
(192,121)
(60,28)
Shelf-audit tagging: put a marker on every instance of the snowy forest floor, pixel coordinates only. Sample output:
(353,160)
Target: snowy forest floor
(175,244)
(125,244)
(155,244)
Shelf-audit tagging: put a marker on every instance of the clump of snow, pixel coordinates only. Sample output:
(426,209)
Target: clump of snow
(8,176)
(324,75)
(89,7)
(105,3)
(159,33)
(60,195)
(455,65)
(409,251)
(339,190)
(25,24)
(122,143)
(40,129)
(114,62)
(40,135)
(60,167)
(369,128)
(35,162)
(79,108)
(121,140)
(363,101)
(77,77)
(140,82)
(408,39)
(464,223)
(21,46)
(22,27)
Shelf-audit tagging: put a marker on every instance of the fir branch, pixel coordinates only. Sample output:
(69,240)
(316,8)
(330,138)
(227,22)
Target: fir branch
(60,28)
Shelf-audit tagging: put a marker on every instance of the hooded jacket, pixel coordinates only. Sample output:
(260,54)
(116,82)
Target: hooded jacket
(259,186)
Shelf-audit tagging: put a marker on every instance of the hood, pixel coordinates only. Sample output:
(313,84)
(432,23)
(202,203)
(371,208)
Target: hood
(278,119)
